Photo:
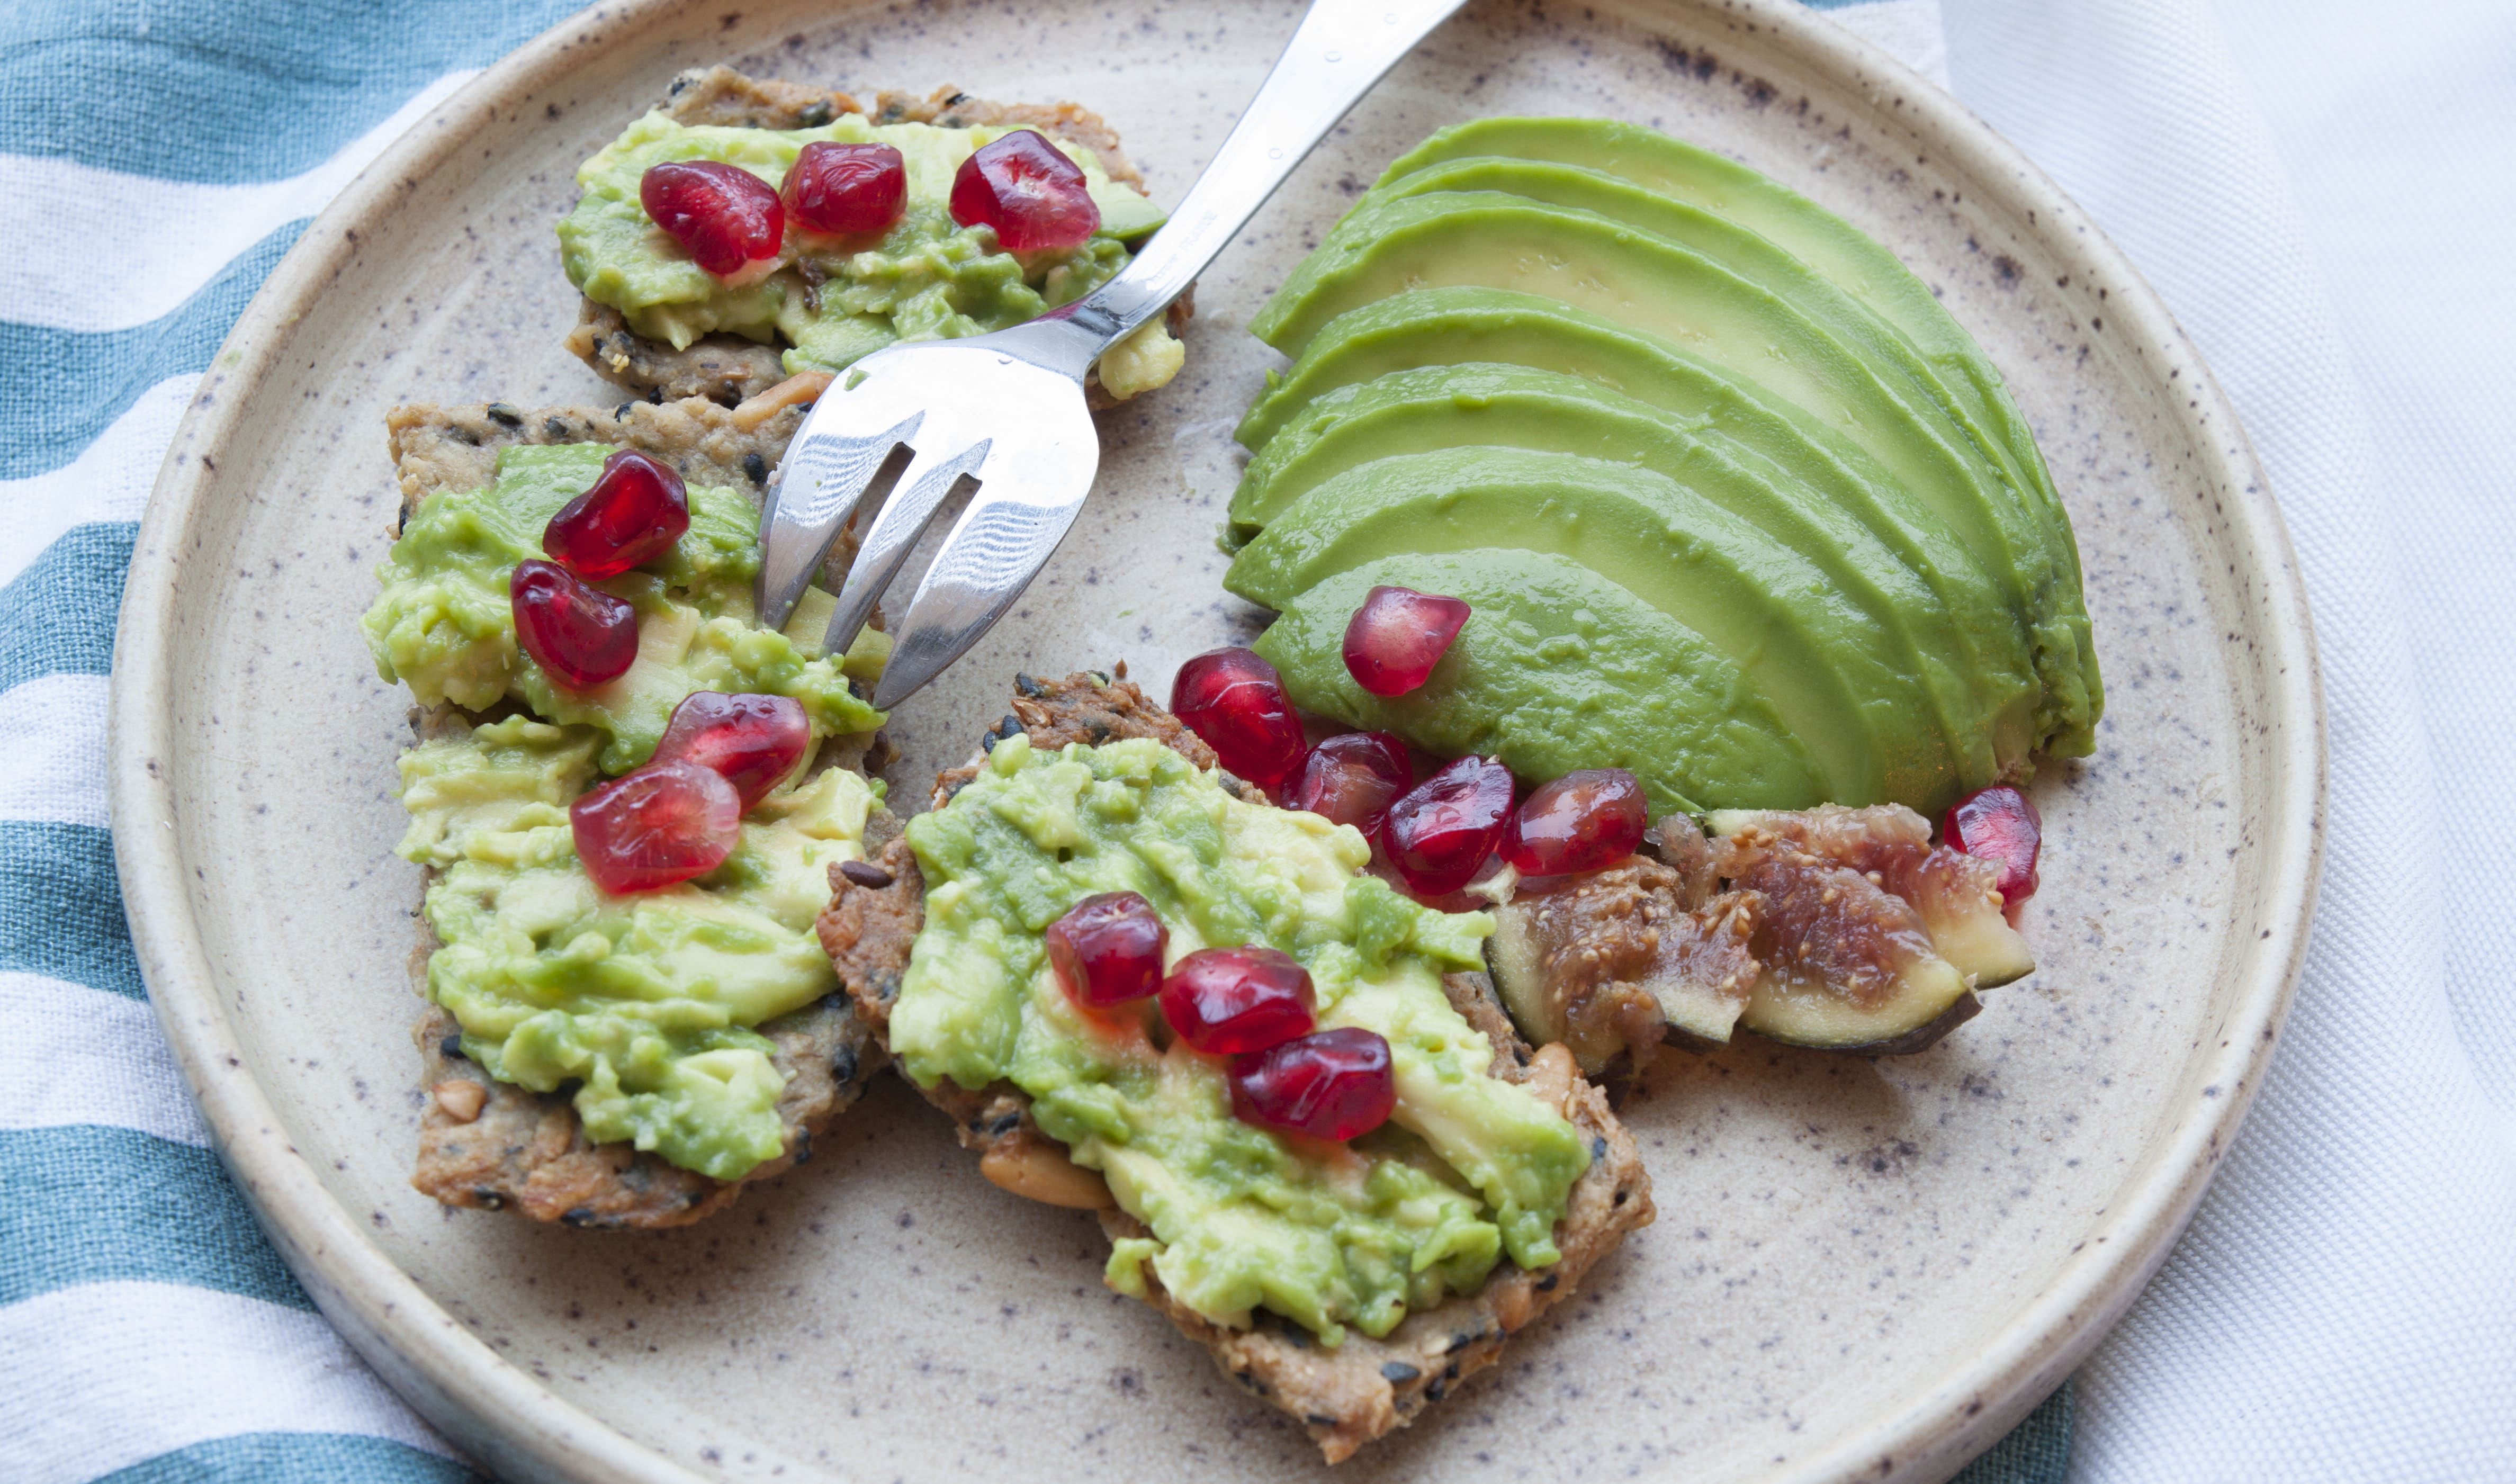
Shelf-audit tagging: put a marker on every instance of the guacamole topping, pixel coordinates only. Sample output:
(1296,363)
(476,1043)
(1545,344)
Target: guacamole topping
(647,1006)
(645,1003)
(1469,1171)
(926,278)
(444,624)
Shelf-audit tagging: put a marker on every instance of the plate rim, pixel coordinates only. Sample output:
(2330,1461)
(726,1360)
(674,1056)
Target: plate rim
(507,1420)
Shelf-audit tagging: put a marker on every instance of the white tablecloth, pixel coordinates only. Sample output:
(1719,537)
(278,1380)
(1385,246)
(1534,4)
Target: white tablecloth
(2326,191)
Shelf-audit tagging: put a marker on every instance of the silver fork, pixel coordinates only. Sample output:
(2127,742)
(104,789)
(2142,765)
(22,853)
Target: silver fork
(1006,410)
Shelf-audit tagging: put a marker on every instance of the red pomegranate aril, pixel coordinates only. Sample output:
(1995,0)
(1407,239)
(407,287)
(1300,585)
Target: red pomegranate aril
(633,513)
(1107,949)
(1439,832)
(582,635)
(2001,825)
(1395,639)
(1583,820)
(847,188)
(661,825)
(754,742)
(1032,195)
(1350,779)
(724,216)
(1331,1084)
(1237,704)
(1226,1000)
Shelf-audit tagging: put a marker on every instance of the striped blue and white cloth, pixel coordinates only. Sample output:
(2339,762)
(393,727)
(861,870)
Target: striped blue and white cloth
(158,158)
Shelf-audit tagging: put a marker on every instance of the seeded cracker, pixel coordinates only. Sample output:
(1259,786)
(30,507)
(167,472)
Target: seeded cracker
(497,1146)
(729,368)
(1365,1387)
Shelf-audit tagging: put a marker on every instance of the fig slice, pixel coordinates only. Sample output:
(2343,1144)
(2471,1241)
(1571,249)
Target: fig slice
(1957,896)
(1613,962)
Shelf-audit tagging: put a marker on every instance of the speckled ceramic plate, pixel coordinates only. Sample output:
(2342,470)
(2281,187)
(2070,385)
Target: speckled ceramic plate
(1861,1269)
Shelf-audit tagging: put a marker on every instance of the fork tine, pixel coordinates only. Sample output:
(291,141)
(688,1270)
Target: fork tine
(820,484)
(917,496)
(999,544)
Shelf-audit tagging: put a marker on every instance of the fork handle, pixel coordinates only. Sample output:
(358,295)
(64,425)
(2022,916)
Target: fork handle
(1340,50)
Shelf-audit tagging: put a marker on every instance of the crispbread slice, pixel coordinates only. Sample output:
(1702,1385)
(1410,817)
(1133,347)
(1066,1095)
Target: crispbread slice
(1365,1387)
(731,368)
(494,1145)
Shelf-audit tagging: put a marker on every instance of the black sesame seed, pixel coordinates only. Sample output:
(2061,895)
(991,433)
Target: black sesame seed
(843,1066)
(1320,1420)
(621,412)
(813,116)
(489,1200)
(729,398)
(583,1215)
(1438,1387)
(655,394)
(1399,1371)
(554,427)
(1026,686)
(505,415)
(451,1047)
(803,1145)
(1546,1285)
(757,468)
(865,874)
(1598,1147)
(956,100)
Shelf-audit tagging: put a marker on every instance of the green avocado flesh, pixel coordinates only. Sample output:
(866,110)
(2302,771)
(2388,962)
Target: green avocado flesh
(1785,447)
(926,277)
(1469,1171)
(444,624)
(1558,669)
(647,1004)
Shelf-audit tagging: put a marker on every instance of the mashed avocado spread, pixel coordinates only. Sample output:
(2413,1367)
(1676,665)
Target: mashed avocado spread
(1469,1169)
(445,625)
(647,1004)
(926,278)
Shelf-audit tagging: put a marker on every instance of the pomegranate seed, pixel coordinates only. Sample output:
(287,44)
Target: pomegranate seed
(1032,195)
(2001,825)
(1107,949)
(1440,832)
(726,217)
(1350,779)
(851,189)
(582,635)
(1581,821)
(1395,639)
(754,742)
(1224,1000)
(663,823)
(633,513)
(1235,700)
(1333,1084)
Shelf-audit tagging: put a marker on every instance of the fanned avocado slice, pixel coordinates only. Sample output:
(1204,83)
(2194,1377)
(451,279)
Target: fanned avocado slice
(1662,287)
(1320,400)
(1550,647)
(1831,668)
(1850,258)
(1923,350)
(1956,635)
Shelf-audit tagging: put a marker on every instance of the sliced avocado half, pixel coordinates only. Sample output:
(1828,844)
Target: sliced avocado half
(1558,669)
(1834,674)
(1956,636)
(1849,258)
(1442,330)
(1662,287)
